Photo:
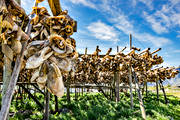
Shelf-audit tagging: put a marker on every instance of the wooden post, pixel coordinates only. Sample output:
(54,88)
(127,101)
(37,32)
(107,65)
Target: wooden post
(130,85)
(117,86)
(68,88)
(75,93)
(140,97)
(117,81)
(8,95)
(146,89)
(164,93)
(130,41)
(130,74)
(56,104)
(157,90)
(46,105)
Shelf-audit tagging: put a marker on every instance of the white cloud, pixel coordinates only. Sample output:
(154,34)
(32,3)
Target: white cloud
(102,31)
(178,34)
(166,18)
(122,23)
(155,24)
(176,51)
(148,3)
(155,40)
(84,2)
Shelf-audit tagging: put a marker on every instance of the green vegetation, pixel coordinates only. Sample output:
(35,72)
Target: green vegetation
(94,106)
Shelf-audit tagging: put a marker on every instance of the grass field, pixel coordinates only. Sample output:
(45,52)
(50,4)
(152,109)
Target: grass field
(170,90)
(94,106)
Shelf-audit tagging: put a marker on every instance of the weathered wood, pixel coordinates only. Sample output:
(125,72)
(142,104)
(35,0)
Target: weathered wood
(34,98)
(6,74)
(130,73)
(117,86)
(7,70)
(100,89)
(8,95)
(56,103)
(130,85)
(157,90)
(146,89)
(46,106)
(75,93)
(140,97)
(37,88)
(68,88)
(163,90)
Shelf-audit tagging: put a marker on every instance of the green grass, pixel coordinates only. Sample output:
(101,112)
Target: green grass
(94,106)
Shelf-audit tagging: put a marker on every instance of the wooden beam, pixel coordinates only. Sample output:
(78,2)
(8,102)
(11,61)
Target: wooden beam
(34,98)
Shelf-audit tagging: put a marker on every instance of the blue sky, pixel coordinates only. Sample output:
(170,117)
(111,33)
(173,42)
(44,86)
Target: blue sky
(108,23)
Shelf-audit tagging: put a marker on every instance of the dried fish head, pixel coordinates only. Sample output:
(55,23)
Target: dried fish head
(55,82)
(37,59)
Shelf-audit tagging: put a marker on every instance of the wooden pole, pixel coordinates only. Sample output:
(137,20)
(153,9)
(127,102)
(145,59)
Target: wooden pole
(140,97)
(6,74)
(56,104)
(130,74)
(46,105)
(130,85)
(8,95)
(146,89)
(7,69)
(130,41)
(157,90)
(117,86)
(117,81)
(164,93)
(68,88)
